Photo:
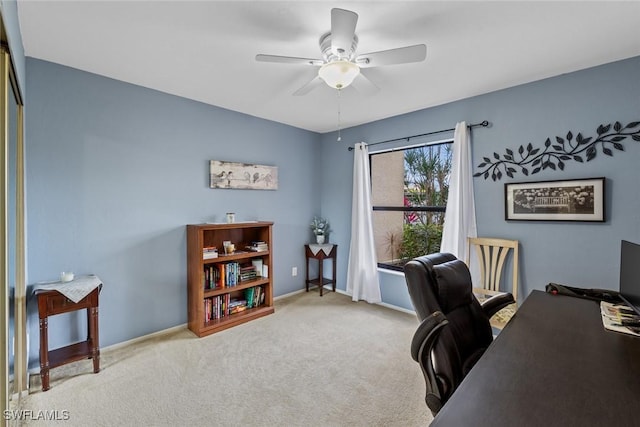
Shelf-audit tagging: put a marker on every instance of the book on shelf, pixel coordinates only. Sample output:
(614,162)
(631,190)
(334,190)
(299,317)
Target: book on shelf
(211,277)
(248,272)
(209,252)
(228,274)
(257,263)
(237,309)
(620,318)
(254,296)
(237,305)
(258,246)
(216,307)
(222,306)
(236,302)
(249,294)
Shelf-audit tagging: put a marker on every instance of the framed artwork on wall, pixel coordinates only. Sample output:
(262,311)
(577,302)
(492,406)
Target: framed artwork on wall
(562,200)
(242,176)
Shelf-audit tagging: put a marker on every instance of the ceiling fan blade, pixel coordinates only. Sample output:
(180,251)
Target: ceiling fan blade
(364,86)
(401,55)
(314,83)
(343,28)
(288,60)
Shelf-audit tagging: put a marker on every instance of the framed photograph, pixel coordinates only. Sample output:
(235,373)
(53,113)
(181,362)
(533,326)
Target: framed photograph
(242,176)
(568,200)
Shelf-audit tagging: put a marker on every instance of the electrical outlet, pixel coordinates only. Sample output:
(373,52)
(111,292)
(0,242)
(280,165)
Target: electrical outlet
(294,271)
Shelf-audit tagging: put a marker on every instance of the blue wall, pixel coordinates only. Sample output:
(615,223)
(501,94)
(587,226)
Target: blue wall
(116,171)
(580,254)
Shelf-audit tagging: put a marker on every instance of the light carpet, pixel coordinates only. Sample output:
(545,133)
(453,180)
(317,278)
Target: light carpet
(318,361)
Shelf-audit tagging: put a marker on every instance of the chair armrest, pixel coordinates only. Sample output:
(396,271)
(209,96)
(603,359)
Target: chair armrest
(426,334)
(496,303)
(421,346)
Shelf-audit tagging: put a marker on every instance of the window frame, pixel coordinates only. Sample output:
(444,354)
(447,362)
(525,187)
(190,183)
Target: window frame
(399,268)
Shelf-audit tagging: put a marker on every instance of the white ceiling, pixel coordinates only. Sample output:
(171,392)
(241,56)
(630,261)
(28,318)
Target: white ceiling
(205,50)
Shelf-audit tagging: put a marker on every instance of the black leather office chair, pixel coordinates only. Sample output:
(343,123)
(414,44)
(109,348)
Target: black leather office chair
(454,330)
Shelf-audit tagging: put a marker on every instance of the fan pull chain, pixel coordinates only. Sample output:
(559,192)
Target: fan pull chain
(339,124)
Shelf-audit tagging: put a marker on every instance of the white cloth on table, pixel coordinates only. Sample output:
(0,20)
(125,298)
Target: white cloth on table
(326,248)
(75,290)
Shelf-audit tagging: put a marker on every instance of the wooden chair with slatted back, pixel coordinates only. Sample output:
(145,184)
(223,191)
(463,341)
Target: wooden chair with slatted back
(492,254)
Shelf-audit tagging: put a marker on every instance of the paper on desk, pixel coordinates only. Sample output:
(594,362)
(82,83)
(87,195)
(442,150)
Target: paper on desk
(612,314)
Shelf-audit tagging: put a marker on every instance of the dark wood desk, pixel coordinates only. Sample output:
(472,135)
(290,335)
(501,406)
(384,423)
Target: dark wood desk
(51,302)
(321,256)
(554,364)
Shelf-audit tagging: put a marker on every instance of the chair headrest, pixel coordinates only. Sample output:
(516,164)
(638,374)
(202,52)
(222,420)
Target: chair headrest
(454,285)
(434,259)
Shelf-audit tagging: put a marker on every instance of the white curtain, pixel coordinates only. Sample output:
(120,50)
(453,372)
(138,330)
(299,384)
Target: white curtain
(460,216)
(362,271)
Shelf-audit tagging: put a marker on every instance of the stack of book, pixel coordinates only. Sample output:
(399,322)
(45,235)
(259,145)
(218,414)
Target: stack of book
(209,252)
(258,246)
(236,306)
(248,272)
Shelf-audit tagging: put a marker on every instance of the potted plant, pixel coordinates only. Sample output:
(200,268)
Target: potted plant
(320,228)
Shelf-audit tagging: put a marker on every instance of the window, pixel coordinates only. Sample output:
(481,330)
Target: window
(409,195)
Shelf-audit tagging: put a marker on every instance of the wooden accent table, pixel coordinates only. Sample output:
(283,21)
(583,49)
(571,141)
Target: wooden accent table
(51,302)
(320,255)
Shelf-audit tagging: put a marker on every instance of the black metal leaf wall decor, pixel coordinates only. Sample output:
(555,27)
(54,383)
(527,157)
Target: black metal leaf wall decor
(554,155)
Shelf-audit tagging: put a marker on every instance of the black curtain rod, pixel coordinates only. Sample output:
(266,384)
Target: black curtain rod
(483,124)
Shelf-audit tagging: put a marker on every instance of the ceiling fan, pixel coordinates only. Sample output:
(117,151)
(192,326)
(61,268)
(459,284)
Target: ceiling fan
(340,66)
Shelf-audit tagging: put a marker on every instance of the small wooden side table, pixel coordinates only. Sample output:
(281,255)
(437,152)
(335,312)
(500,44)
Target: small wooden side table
(320,255)
(52,302)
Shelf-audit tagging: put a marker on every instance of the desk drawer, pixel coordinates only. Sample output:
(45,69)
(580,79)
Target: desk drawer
(56,304)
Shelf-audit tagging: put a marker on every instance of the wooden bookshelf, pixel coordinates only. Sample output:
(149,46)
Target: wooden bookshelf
(209,297)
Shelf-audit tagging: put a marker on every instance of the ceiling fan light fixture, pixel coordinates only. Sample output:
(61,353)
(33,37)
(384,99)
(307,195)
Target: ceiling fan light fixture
(339,74)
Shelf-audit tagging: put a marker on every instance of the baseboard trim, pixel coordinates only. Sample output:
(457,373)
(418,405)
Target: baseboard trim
(395,307)
(383,304)
(144,337)
(184,325)
(173,329)
(17,396)
(290,294)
